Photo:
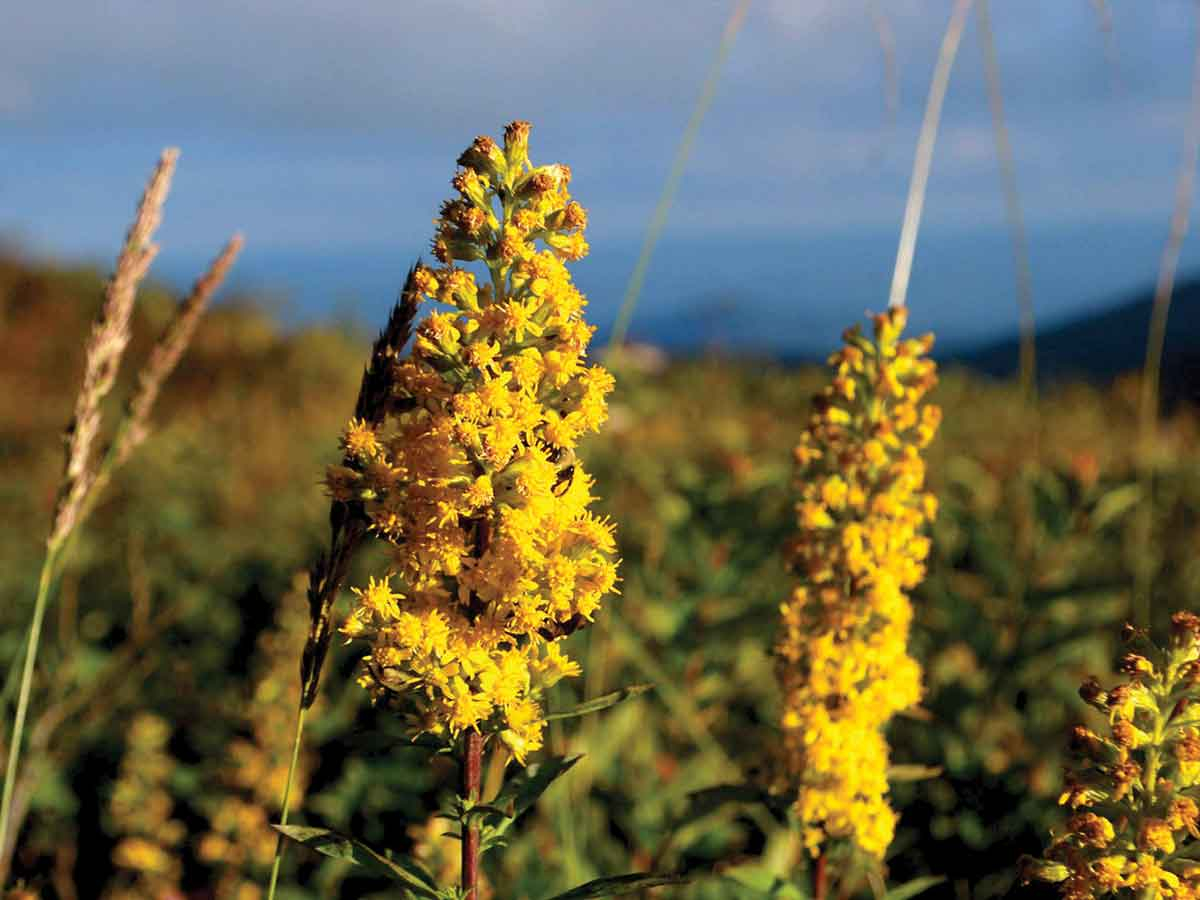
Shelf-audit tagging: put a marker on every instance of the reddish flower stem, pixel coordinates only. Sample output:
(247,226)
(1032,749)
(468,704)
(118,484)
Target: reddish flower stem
(472,769)
(820,879)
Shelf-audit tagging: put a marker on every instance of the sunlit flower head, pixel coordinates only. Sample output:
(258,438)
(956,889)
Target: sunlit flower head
(473,479)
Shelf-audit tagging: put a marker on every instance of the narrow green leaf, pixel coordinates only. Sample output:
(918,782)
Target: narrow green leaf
(912,888)
(523,790)
(618,885)
(598,703)
(913,773)
(483,809)
(1115,504)
(703,802)
(337,846)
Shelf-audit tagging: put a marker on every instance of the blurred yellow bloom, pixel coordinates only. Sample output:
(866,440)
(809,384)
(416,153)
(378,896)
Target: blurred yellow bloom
(141,811)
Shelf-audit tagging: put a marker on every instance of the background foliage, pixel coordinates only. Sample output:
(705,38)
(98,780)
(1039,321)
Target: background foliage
(169,678)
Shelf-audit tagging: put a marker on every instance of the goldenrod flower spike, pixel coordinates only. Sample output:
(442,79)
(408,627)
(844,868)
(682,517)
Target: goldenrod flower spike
(1134,821)
(843,661)
(472,476)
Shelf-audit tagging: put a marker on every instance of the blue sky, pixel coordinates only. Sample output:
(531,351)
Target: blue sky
(327,133)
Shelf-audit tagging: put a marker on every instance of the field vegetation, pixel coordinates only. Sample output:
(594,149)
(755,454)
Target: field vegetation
(160,728)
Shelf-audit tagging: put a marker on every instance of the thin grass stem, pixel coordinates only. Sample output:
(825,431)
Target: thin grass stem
(18,732)
(1105,20)
(104,350)
(671,186)
(1156,337)
(1012,208)
(923,161)
(891,70)
(285,803)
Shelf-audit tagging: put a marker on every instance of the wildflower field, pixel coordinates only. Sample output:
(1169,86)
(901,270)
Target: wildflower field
(469,610)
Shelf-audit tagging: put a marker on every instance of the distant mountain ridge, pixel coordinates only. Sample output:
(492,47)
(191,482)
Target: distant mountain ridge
(1096,346)
(1099,346)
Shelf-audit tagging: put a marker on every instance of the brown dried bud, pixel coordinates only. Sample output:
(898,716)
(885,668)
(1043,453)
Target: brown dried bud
(468,183)
(1131,633)
(484,156)
(516,143)
(1125,734)
(1189,673)
(1185,627)
(544,180)
(1135,666)
(1091,829)
(471,219)
(542,183)
(509,247)
(1124,776)
(1092,693)
(446,249)
(1085,742)
(1031,869)
(517,130)
(1187,748)
(574,216)
(1119,697)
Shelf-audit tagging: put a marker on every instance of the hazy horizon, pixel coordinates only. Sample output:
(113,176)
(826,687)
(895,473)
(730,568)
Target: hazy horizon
(786,295)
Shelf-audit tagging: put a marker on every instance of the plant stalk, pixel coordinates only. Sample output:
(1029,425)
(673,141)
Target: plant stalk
(675,175)
(18,732)
(287,798)
(472,776)
(1012,208)
(1144,566)
(820,879)
(924,157)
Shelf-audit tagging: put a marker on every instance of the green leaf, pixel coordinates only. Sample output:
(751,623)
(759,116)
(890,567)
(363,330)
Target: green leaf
(703,802)
(599,703)
(618,885)
(480,809)
(1115,504)
(337,846)
(913,772)
(913,888)
(523,790)
(763,884)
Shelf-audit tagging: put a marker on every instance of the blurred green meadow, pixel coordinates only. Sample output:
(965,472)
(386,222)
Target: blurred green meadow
(162,717)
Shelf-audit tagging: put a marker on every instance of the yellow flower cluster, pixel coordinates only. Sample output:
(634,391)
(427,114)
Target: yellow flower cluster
(842,654)
(1134,816)
(142,813)
(473,478)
